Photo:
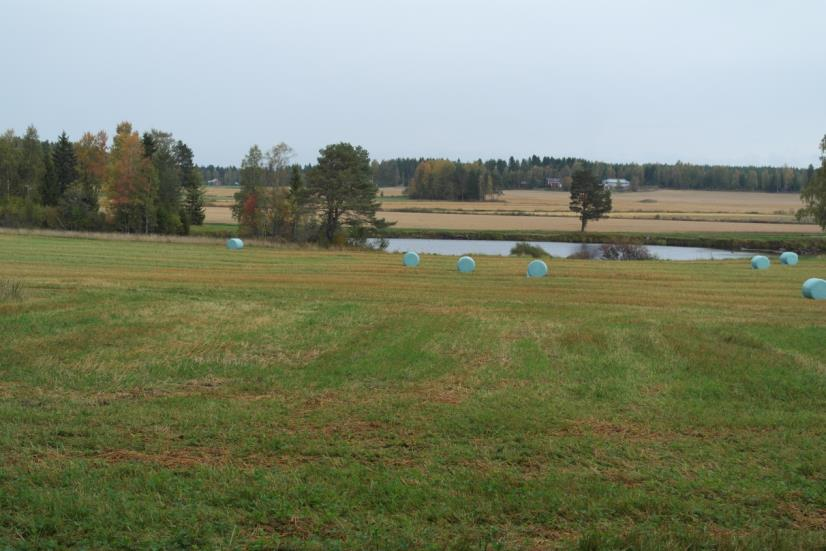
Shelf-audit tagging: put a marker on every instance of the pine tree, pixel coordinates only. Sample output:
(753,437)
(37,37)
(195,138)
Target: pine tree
(342,185)
(589,197)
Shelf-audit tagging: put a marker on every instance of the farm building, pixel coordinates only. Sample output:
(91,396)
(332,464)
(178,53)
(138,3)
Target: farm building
(553,183)
(616,183)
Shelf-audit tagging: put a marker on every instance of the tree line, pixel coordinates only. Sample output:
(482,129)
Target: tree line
(137,184)
(221,175)
(457,181)
(330,203)
(533,172)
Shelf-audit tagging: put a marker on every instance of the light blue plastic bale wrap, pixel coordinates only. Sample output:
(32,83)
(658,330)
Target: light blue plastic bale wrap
(235,244)
(814,288)
(537,268)
(760,262)
(411,259)
(789,258)
(466,265)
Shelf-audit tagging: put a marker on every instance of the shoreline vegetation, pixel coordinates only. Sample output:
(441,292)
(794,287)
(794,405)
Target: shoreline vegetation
(209,233)
(732,242)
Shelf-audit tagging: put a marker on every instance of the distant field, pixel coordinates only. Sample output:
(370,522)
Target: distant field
(660,201)
(568,223)
(655,211)
(178,395)
(220,194)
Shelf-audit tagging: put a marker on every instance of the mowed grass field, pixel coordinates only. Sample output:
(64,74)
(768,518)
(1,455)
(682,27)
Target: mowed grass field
(176,395)
(659,211)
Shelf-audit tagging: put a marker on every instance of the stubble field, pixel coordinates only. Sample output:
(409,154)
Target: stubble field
(179,395)
(660,211)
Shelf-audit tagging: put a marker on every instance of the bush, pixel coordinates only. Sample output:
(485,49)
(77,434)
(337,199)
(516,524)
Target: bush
(16,212)
(584,253)
(526,249)
(626,251)
(170,223)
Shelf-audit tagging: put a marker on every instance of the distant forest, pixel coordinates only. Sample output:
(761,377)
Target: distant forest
(533,172)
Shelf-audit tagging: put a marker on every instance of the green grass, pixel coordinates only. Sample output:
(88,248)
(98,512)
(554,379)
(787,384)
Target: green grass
(215,230)
(173,395)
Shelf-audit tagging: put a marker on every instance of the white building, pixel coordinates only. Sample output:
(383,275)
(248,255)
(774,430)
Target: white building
(616,183)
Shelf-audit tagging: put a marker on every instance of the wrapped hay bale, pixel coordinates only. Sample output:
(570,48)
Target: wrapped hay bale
(789,258)
(537,268)
(814,289)
(466,265)
(410,259)
(235,244)
(760,262)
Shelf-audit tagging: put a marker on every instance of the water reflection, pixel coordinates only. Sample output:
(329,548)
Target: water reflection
(459,247)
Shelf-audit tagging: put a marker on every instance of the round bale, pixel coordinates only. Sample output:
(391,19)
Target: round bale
(466,265)
(789,258)
(537,268)
(814,288)
(235,244)
(410,259)
(760,262)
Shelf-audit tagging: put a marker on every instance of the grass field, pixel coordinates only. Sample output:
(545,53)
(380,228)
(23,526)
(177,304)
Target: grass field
(660,211)
(179,395)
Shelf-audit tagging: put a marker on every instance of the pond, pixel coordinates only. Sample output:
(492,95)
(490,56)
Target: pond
(459,247)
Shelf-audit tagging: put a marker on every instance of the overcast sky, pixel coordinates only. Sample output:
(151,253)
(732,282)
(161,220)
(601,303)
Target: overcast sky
(717,81)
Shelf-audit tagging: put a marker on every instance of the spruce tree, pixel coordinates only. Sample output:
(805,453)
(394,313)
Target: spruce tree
(49,187)
(192,183)
(65,166)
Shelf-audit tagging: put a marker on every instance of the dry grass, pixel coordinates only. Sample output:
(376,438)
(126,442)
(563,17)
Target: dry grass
(660,211)
(659,201)
(219,215)
(11,289)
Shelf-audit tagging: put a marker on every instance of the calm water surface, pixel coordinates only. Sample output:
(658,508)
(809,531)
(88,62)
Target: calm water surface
(458,247)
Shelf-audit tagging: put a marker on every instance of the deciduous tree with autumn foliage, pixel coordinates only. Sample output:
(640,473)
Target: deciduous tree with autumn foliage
(80,204)
(131,183)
